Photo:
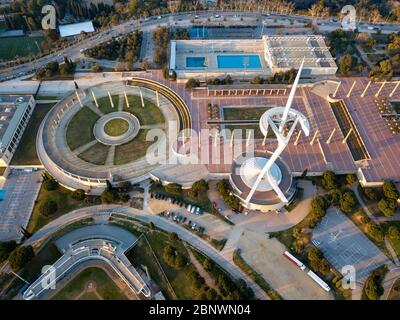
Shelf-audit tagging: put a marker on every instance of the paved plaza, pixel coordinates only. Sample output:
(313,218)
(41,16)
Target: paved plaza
(344,244)
(21,190)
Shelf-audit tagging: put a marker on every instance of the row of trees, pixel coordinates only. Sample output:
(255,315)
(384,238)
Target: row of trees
(67,67)
(117,194)
(283,77)
(224,190)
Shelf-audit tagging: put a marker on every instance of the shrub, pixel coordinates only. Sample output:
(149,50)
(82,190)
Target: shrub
(372,288)
(192,83)
(48,208)
(173,258)
(78,194)
(394,233)
(370,194)
(319,206)
(20,257)
(199,187)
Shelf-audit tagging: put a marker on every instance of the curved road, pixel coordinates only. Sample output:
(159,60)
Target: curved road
(101,212)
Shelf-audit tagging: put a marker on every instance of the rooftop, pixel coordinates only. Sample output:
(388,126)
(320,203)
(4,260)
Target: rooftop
(12,109)
(289,51)
(74,29)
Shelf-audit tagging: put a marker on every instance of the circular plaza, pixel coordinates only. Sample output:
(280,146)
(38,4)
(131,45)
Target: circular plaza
(105,132)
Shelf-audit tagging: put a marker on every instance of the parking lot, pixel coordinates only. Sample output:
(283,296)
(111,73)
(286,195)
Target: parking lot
(211,225)
(21,190)
(344,244)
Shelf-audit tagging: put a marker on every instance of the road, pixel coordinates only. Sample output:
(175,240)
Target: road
(146,217)
(181,19)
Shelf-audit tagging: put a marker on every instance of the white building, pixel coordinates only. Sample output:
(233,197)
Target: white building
(15,112)
(246,58)
(70,30)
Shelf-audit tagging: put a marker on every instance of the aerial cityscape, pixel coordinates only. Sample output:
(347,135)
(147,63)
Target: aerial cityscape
(199,150)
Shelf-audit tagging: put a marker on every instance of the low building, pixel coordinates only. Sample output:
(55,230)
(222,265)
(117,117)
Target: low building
(15,112)
(71,30)
(246,58)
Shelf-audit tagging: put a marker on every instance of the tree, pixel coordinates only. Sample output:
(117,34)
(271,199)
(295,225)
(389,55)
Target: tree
(372,288)
(387,207)
(199,187)
(78,194)
(370,43)
(348,202)
(345,64)
(50,184)
(48,208)
(329,181)
(370,194)
(173,236)
(109,196)
(394,233)
(6,247)
(390,190)
(350,179)
(174,188)
(208,264)
(196,281)
(375,231)
(20,257)
(96,67)
(318,206)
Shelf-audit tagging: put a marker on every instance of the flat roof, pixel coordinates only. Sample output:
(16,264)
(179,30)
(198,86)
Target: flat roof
(12,108)
(74,29)
(289,51)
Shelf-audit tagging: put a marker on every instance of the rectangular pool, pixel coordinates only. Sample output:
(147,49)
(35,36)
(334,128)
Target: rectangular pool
(195,62)
(239,61)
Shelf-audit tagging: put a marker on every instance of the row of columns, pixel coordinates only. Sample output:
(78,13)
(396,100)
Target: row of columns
(367,87)
(315,137)
(236,92)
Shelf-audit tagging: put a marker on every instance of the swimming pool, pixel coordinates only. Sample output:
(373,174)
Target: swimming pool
(195,62)
(239,61)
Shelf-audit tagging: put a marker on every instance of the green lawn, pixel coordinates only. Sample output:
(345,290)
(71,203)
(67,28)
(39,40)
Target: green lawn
(26,150)
(150,114)
(253,113)
(97,154)
(116,127)
(133,150)
(105,286)
(80,128)
(65,203)
(11,48)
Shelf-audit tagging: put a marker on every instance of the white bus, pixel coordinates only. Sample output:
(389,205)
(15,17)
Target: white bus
(318,280)
(293,259)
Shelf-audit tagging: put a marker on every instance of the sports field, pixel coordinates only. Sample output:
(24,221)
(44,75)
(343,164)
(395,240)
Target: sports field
(10,48)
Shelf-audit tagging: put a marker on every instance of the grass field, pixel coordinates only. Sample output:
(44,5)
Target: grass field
(105,104)
(11,48)
(133,150)
(116,127)
(65,203)
(253,113)
(97,154)
(105,287)
(26,150)
(150,114)
(80,128)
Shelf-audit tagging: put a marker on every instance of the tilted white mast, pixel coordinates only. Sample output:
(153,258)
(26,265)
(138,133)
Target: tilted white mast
(266,121)
(291,98)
